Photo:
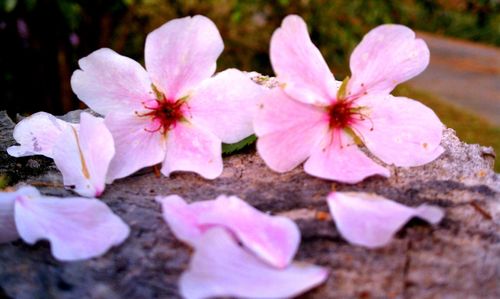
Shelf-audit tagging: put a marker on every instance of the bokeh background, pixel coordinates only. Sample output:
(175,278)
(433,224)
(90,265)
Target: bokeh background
(42,40)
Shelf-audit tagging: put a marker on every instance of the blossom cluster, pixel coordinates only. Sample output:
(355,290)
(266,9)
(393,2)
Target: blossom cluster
(176,112)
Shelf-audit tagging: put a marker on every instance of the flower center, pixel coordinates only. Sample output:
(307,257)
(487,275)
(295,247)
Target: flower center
(342,114)
(164,113)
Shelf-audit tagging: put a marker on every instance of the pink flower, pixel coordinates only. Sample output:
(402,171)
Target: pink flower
(77,228)
(81,152)
(239,251)
(370,220)
(311,118)
(174,113)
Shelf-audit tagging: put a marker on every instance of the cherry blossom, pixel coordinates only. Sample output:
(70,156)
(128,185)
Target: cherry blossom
(77,228)
(370,220)
(239,251)
(82,152)
(313,118)
(175,112)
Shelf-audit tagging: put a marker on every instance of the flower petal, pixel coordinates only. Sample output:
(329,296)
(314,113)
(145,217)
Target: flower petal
(8,230)
(287,126)
(110,82)
(387,56)
(182,53)
(370,220)
(401,131)
(191,148)
(299,64)
(77,228)
(37,134)
(135,147)
(274,239)
(341,160)
(219,267)
(83,157)
(225,105)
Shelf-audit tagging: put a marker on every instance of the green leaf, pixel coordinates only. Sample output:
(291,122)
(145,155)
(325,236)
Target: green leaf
(228,149)
(343,88)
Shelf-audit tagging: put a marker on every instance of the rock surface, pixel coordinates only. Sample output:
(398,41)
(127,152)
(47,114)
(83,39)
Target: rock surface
(459,258)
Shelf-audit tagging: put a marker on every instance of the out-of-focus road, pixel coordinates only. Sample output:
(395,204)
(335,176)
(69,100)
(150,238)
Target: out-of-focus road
(464,73)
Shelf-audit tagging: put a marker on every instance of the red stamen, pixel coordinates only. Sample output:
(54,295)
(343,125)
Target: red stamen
(167,113)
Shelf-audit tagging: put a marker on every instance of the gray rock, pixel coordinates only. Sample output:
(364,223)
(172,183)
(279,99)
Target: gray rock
(459,258)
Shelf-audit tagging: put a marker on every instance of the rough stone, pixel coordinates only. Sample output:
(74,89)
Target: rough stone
(459,258)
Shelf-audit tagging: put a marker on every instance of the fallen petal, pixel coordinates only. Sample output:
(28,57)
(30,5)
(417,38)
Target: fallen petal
(370,220)
(8,231)
(83,157)
(220,267)
(77,228)
(37,135)
(274,239)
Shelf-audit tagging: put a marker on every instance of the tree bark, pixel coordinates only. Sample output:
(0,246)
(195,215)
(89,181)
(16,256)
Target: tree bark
(459,258)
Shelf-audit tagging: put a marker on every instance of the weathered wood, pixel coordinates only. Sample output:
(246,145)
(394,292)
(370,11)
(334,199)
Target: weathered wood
(459,258)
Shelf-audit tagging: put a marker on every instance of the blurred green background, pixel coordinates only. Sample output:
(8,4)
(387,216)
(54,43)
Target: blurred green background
(42,40)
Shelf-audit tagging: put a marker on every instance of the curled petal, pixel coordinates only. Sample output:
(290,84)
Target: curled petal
(135,146)
(191,148)
(273,239)
(83,157)
(339,159)
(182,53)
(387,56)
(401,131)
(370,220)
(287,126)
(299,65)
(220,267)
(225,105)
(110,82)
(8,230)
(77,228)
(37,135)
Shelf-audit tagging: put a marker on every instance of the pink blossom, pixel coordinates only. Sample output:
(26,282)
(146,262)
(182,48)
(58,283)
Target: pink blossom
(370,220)
(81,152)
(174,112)
(77,228)
(239,251)
(312,117)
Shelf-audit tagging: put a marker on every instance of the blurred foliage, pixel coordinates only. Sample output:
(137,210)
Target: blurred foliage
(42,40)
(470,128)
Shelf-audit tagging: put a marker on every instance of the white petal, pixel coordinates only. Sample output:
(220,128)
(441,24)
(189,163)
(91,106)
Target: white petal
(37,135)
(77,228)
(370,220)
(83,156)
